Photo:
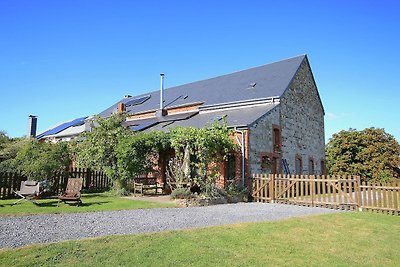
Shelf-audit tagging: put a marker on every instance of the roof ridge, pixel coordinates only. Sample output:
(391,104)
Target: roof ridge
(219,76)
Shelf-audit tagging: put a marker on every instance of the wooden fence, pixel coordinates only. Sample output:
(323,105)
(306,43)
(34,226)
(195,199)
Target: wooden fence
(346,192)
(92,181)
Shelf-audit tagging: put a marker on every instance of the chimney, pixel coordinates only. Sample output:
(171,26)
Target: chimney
(161,112)
(32,124)
(121,107)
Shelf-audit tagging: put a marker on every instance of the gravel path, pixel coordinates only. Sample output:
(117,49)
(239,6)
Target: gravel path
(23,230)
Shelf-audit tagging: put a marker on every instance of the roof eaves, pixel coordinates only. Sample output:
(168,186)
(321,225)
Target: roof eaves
(236,104)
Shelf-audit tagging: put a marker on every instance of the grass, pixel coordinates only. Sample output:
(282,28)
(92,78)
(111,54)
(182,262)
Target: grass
(91,202)
(341,239)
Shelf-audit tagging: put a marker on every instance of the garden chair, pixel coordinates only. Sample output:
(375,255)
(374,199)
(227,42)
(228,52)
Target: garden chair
(72,192)
(137,188)
(28,191)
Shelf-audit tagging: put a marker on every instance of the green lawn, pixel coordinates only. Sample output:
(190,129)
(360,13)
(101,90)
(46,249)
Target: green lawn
(345,239)
(91,202)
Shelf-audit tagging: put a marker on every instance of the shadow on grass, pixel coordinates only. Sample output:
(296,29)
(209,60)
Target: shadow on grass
(98,195)
(83,204)
(88,199)
(55,204)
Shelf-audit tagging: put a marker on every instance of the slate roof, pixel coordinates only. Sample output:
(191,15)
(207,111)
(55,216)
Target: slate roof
(267,81)
(238,117)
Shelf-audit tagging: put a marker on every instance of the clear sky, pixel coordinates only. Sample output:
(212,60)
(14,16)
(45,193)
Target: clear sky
(61,60)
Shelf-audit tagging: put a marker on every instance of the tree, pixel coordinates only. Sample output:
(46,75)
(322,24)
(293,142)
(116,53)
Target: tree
(4,140)
(9,147)
(38,161)
(371,153)
(98,149)
(137,153)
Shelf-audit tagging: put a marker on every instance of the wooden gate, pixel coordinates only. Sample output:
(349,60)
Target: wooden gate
(336,192)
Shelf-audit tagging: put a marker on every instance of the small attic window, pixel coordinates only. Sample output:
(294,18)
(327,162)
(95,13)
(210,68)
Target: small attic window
(251,86)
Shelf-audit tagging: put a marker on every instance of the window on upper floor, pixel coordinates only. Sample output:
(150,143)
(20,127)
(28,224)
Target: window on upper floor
(276,138)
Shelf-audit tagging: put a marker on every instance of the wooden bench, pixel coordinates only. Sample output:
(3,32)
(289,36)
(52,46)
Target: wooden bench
(140,185)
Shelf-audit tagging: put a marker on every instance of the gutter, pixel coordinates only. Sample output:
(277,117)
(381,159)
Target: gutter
(268,100)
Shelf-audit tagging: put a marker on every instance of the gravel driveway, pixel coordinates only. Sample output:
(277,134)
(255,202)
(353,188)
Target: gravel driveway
(23,230)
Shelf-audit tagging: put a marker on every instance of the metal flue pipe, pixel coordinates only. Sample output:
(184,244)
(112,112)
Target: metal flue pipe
(161,91)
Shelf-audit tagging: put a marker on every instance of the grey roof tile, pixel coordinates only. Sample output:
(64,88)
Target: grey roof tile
(260,82)
(234,117)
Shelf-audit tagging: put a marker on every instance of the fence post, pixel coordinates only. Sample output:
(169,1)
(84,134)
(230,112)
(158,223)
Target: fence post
(312,189)
(358,192)
(272,187)
(88,179)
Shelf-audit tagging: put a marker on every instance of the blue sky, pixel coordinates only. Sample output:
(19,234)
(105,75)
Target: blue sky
(65,59)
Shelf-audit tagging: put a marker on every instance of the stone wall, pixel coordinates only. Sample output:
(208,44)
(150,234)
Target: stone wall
(260,140)
(300,119)
(302,122)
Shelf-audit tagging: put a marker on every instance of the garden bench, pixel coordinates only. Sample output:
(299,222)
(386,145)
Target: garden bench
(144,184)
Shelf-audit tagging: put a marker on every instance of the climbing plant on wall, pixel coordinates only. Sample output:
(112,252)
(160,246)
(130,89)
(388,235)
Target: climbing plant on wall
(198,148)
(124,154)
(138,152)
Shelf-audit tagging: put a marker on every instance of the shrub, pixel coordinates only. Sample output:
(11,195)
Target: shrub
(234,189)
(211,190)
(181,193)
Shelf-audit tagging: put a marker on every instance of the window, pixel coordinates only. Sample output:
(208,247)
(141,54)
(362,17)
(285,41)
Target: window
(299,165)
(276,138)
(270,164)
(323,168)
(311,169)
(231,167)
(265,163)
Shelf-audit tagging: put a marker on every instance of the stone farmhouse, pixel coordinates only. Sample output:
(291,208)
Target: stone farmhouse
(275,112)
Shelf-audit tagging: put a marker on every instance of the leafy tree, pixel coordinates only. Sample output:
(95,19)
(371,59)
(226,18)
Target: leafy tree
(98,149)
(137,153)
(38,161)
(5,143)
(9,151)
(371,153)
(4,140)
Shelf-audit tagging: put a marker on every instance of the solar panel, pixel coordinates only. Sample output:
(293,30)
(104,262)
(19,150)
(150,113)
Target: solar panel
(62,127)
(137,101)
